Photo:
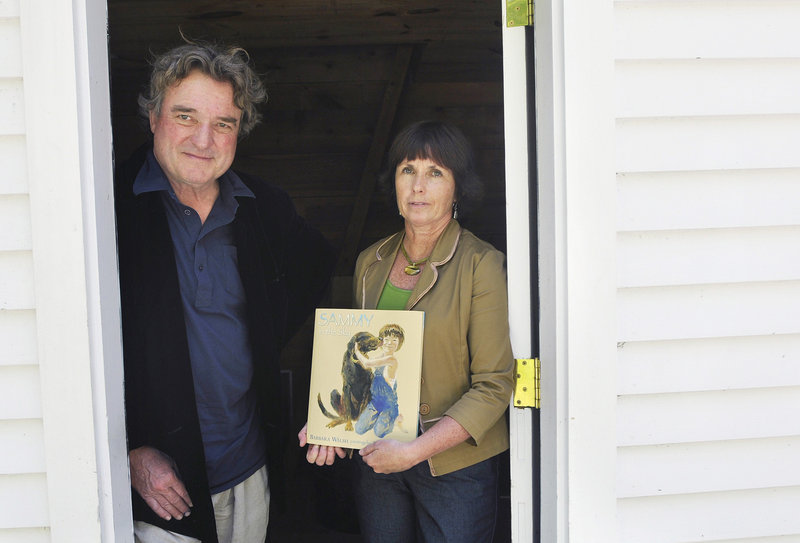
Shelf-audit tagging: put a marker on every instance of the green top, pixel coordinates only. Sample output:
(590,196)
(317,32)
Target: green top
(393,297)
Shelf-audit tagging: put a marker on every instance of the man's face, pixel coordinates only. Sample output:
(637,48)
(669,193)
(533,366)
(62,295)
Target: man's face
(194,136)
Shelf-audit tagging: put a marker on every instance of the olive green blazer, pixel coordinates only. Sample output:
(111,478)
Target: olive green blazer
(467,365)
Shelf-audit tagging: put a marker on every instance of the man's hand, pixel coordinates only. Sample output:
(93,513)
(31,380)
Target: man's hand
(154,475)
(319,454)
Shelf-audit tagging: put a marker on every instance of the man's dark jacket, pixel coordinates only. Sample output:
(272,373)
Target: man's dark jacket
(285,266)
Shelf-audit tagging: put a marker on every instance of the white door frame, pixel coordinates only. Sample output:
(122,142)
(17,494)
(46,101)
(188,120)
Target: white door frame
(69,148)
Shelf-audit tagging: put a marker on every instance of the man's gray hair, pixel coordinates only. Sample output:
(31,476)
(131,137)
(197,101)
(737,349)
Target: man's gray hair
(229,64)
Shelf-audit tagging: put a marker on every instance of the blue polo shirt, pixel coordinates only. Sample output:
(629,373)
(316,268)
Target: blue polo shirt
(216,326)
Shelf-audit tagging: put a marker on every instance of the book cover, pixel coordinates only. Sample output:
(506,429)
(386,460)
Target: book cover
(365,375)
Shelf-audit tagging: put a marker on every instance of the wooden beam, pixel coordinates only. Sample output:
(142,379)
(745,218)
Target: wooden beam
(391,99)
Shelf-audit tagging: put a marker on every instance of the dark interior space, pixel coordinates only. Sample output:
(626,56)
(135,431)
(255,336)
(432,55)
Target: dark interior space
(343,76)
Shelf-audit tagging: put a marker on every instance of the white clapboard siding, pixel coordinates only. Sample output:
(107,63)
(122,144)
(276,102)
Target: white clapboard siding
(698,467)
(12,106)
(703,311)
(711,516)
(654,367)
(707,143)
(16,288)
(708,199)
(709,87)
(10,57)
(25,535)
(686,417)
(20,392)
(738,29)
(23,501)
(15,171)
(21,446)
(15,223)
(686,257)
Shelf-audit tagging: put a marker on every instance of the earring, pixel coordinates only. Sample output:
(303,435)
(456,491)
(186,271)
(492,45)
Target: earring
(455,210)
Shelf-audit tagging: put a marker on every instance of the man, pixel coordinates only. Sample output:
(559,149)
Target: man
(217,271)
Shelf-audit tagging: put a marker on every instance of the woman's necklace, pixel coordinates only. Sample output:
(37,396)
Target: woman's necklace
(413,267)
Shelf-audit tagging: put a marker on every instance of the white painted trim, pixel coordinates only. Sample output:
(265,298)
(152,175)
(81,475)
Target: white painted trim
(68,139)
(575,150)
(515,98)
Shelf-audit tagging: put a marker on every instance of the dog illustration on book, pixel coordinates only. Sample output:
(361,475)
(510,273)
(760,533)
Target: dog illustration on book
(369,388)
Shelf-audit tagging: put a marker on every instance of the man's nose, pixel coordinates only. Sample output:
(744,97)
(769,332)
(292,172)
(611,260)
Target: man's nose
(203,136)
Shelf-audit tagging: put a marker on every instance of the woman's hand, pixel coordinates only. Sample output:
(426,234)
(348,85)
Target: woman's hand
(320,455)
(390,456)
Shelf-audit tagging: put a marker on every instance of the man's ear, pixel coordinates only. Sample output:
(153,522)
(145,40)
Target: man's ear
(153,119)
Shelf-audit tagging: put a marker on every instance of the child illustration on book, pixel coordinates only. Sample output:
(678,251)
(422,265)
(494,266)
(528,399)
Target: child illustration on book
(382,411)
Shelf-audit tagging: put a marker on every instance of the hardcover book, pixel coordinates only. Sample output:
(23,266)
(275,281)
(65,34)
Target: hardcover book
(365,375)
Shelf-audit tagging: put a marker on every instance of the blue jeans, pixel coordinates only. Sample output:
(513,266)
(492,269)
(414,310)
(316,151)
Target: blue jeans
(414,506)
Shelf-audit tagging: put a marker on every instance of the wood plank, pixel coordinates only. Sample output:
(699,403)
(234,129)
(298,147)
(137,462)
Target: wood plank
(694,365)
(20,392)
(686,257)
(15,223)
(707,467)
(15,171)
(18,338)
(16,289)
(25,535)
(708,143)
(707,199)
(378,147)
(710,516)
(12,112)
(23,501)
(10,42)
(702,87)
(660,419)
(9,9)
(22,443)
(705,311)
(707,29)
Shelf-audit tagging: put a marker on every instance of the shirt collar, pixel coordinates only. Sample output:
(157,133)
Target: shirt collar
(151,178)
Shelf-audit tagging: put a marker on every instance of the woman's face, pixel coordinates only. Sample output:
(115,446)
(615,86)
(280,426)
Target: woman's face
(425,192)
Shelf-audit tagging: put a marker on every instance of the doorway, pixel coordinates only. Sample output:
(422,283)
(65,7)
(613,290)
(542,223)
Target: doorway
(342,77)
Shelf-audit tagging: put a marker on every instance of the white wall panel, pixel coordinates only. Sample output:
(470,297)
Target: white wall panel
(709,466)
(12,107)
(685,257)
(20,392)
(709,143)
(21,446)
(711,516)
(15,223)
(18,337)
(25,535)
(708,199)
(653,367)
(23,501)
(9,8)
(16,288)
(704,87)
(12,156)
(656,419)
(10,54)
(707,29)
(700,311)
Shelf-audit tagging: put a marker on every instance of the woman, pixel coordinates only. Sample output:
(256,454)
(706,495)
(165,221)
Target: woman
(442,486)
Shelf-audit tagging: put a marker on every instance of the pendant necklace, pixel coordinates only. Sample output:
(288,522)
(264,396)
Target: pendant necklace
(413,267)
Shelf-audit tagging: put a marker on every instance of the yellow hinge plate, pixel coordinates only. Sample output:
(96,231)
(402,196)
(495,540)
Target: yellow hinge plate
(527,391)
(519,13)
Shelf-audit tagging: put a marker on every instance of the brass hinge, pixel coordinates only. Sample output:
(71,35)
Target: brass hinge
(527,390)
(519,13)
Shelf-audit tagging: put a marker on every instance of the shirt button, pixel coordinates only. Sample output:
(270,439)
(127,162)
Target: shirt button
(187,211)
(424,409)
(200,267)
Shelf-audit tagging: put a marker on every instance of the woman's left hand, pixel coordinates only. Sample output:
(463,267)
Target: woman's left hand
(389,456)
